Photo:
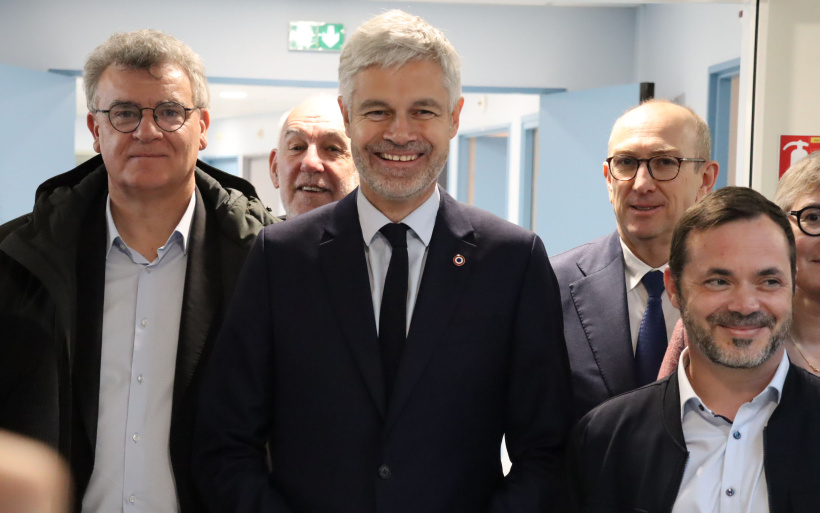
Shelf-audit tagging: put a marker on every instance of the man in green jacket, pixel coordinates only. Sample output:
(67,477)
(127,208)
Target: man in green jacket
(114,287)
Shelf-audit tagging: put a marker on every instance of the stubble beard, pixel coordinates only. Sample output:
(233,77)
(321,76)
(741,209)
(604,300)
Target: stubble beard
(384,184)
(703,340)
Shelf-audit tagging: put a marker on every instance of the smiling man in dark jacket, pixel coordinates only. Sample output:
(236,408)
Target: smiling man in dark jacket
(735,427)
(117,281)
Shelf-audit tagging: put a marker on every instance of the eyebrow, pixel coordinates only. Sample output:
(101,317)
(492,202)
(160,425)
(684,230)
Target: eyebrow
(117,103)
(669,150)
(769,271)
(328,132)
(427,102)
(422,102)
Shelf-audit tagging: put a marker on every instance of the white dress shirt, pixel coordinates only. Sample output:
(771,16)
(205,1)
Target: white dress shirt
(141,316)
(724,473)
(377,249)
(637,296)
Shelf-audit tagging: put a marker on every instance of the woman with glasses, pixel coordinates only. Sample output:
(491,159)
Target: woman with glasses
(798,194)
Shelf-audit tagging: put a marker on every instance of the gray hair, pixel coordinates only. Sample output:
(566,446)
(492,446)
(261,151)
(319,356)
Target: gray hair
(801,178)
(703,137)
(393,39)
(142,50)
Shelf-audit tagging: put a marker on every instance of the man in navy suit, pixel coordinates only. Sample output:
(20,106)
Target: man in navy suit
(658,166)
(357,417)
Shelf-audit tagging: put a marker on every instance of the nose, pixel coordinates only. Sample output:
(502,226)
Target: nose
(311,162)
(643,180)
(744,300)
(401,130)
(147,129)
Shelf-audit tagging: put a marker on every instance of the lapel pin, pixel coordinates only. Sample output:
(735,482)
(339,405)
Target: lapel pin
(459,260)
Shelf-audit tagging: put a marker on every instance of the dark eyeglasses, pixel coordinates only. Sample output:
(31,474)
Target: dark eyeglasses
(808,219)
(126,117)
(662,168)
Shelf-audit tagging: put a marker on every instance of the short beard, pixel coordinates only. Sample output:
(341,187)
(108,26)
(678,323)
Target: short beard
(398,188)
(703,340)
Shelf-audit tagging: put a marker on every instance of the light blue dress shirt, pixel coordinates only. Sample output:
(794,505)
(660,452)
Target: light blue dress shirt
(724,473)
(377,249)
(141,316)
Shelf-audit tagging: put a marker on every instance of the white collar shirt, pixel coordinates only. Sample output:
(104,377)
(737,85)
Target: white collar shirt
(377,249)
(142,309)
(724,472)
(637,297)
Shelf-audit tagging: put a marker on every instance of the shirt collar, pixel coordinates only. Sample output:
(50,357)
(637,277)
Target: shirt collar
(635,268)
(421,221)
(689,399)
(183,227)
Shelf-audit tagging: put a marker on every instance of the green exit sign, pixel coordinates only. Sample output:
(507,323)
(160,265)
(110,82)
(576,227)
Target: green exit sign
(316,36)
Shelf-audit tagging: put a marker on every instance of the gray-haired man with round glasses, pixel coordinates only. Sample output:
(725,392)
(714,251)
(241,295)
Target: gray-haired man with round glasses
(124,268)
(617,318)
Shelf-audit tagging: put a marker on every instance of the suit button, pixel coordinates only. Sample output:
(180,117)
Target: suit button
(384,472)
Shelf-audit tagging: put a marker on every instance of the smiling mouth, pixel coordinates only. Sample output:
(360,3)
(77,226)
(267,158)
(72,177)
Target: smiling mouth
(398,158)
(645,209)
(310,188)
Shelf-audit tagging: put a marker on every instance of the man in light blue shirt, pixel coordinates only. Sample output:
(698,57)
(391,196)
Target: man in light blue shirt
(127,263)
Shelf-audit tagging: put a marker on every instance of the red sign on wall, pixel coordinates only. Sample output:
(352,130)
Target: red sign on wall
(794,148)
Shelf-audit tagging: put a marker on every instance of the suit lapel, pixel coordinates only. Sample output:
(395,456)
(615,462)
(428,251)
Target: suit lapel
(600,299)
(442,286)
(201,299)
(341,253)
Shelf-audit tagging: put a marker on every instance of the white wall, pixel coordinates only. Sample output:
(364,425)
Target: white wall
(501,46)
(246,135)
(504,45)
(677,43)
(787,98)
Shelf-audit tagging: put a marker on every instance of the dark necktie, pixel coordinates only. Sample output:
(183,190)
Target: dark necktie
(652,335)
(393,313)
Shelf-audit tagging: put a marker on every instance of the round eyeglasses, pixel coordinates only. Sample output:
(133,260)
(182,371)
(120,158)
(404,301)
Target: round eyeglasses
(662,168)
(808,219)
(126,117)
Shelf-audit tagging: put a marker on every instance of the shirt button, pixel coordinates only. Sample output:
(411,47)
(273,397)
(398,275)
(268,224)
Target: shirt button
(139,378)
(132,499)
(149,269)
(730,492)
(699,406)
(737,435)
(144,323)
(136,437)
(384,472)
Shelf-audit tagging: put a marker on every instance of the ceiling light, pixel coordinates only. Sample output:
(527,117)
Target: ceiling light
(233,95)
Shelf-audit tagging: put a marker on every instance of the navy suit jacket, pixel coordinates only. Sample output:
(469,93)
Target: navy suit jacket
(297,368)
(596,321)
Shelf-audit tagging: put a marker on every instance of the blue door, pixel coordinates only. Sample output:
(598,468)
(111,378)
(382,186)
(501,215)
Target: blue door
(36,134)
(571,202)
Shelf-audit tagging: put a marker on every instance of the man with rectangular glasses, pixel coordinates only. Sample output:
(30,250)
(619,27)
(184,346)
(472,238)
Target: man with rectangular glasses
(617,319)
(122,272)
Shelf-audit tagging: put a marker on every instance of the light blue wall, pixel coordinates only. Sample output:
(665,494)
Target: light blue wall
(572,202)
(36,134)
(500,45)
